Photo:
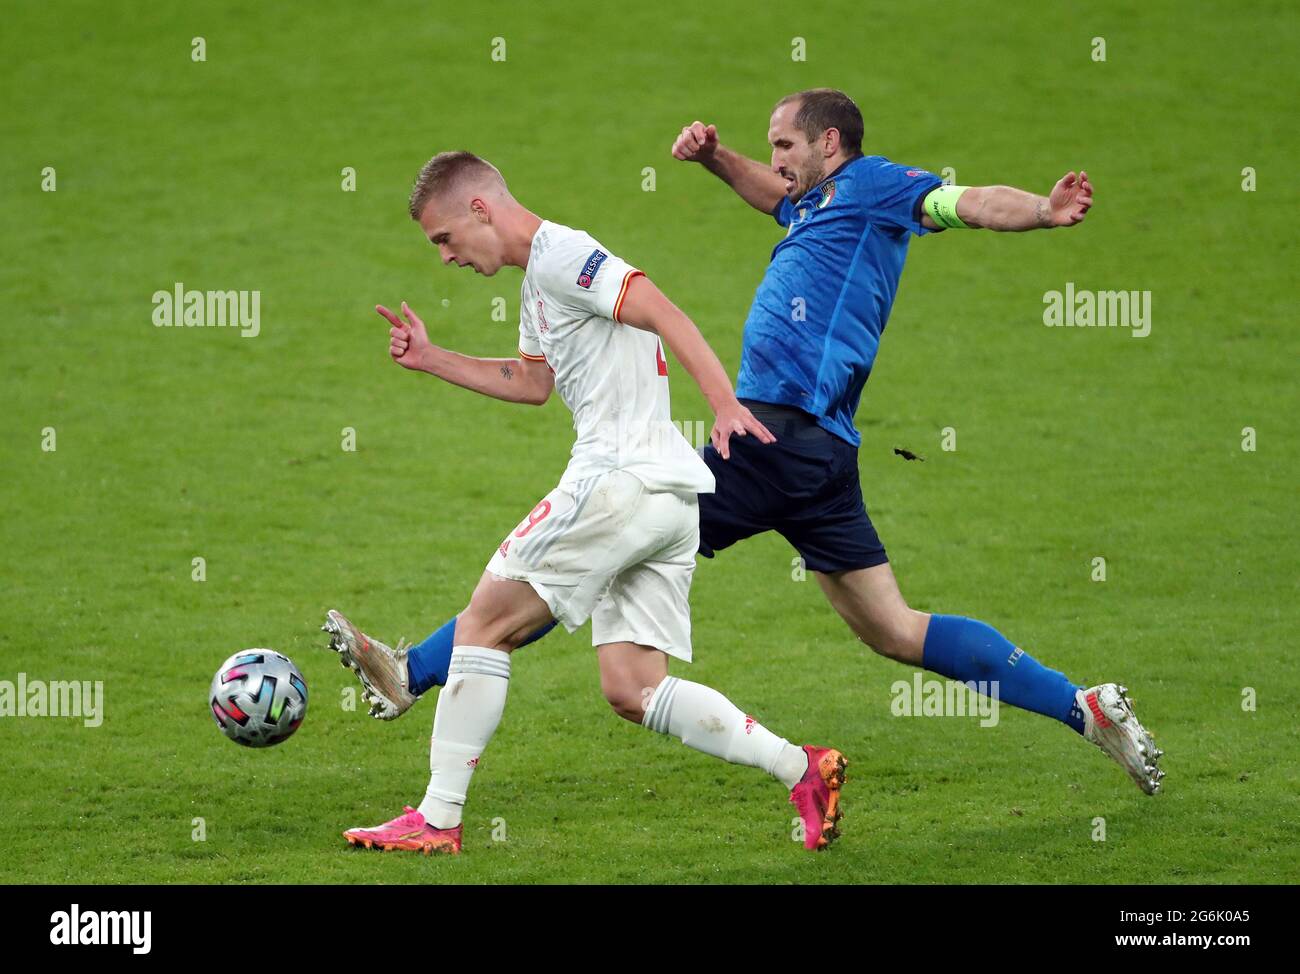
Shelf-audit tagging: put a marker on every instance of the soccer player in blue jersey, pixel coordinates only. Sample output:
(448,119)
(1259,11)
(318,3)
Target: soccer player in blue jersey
(809,343)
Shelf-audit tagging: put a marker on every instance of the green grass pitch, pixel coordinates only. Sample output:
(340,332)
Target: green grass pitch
(1072,444)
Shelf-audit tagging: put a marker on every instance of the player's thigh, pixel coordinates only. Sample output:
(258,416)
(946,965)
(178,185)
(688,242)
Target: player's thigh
(573,542)
(648,603)
(743,498)
(832,531)
(501,613)
(869,600)
(629,674)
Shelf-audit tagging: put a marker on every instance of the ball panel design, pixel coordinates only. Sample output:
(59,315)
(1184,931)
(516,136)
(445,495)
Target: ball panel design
(258,698)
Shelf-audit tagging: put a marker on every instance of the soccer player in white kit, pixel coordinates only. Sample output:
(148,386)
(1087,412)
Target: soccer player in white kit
(615,541)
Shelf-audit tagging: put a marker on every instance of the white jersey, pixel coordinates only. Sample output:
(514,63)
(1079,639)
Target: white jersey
(613,377)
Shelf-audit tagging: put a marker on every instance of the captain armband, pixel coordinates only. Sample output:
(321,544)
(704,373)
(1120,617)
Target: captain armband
(941,205)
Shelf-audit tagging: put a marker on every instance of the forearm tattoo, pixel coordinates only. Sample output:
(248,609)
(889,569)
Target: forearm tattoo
(1043,213)
(507,372)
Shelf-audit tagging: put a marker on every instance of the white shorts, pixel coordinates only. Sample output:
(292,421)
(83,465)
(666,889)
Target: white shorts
(609,550)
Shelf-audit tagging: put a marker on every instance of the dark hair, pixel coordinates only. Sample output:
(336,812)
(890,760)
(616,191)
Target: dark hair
(443,171)
(827,108)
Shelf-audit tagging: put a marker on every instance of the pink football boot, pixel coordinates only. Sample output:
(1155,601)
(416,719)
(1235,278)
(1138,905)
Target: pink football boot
(817,796)
(408,831)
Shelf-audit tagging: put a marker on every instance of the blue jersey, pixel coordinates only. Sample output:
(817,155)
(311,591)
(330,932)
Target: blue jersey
(813,329)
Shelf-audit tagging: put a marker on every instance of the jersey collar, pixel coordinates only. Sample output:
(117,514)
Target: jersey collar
(838,169)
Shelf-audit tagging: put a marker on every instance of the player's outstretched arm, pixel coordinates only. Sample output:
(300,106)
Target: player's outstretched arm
(511,379)
(1007,208)
(646,307)
(754,182)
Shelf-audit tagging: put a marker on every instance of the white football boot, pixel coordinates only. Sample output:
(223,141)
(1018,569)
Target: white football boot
(382,671)
(1109,722)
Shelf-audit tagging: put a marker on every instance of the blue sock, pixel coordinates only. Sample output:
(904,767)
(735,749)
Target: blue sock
(428,661)
(968,650)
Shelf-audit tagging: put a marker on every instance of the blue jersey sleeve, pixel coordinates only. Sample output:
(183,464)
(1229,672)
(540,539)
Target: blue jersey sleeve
(783,211)
(896,193)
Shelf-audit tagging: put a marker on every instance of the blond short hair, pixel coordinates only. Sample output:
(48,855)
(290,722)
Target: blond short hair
(446,171)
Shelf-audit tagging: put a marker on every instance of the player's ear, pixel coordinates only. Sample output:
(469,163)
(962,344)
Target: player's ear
(831,142)
(478,206)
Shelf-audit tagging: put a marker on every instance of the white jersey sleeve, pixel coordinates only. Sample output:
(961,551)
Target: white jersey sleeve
(586,278)
(530,345)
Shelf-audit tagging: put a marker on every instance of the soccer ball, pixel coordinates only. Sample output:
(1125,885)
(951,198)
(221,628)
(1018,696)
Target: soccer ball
(258,698)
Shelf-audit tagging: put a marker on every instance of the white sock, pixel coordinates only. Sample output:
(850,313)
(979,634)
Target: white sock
(707,721)
(469,709)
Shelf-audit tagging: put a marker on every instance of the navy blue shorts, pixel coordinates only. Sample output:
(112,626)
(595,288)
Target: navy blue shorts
(804,486)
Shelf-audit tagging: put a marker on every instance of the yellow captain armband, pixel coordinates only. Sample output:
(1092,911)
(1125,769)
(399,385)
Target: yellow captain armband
(941,205)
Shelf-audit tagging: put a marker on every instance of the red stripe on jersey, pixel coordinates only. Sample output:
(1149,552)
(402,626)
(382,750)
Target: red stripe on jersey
(622,292)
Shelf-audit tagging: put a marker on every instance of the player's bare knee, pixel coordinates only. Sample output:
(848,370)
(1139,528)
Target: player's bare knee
(623,693)
(885,640)
(482,626)
(902,636)
(624,699)
(881,641)
(629,708)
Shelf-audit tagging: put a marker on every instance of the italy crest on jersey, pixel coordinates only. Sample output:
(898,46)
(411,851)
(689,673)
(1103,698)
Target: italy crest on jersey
(828,194)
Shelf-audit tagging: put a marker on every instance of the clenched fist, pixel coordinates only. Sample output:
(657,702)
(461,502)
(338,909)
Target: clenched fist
(697,143)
